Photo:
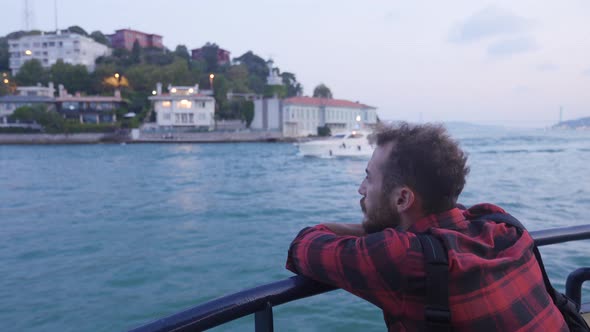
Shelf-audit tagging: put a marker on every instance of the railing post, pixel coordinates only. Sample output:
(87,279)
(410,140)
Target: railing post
(573,285)
(263,321)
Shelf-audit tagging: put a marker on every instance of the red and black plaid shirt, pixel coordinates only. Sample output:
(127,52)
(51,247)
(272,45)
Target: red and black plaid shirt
(495,281)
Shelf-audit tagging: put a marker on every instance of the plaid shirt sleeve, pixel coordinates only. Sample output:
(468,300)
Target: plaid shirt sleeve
(497,284)
(365,266)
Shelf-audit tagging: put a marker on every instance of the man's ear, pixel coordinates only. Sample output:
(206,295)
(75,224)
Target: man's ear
(402,199)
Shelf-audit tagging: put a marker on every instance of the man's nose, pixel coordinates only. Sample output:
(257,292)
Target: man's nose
(361,189)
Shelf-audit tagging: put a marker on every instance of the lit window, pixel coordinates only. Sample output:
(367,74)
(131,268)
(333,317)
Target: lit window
(166,104)
(185,104)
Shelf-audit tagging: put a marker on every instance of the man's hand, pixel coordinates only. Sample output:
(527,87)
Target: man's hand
(346,229)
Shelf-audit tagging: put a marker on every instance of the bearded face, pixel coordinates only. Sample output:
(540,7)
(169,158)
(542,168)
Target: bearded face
(377,202)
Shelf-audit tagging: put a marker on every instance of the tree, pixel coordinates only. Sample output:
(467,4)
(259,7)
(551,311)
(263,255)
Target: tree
(238,77)
(255,64)
(322,91)
(209,53)
(4,55)
(51,121)
(99,37)
(248,112)
(293,87)
(78,30)
(136,53)
(324,131)
(182,52)
(31,73)
(75,78)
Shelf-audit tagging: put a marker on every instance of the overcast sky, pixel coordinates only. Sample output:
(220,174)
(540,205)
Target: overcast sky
(498,62)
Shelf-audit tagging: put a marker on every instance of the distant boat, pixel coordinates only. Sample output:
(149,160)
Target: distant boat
(352,144)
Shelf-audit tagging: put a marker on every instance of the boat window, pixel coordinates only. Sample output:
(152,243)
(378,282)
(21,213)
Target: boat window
(339,136)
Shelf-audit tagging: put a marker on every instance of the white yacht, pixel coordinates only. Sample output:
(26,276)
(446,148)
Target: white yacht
(353,144)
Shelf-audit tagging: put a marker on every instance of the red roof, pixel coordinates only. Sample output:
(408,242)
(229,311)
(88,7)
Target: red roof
(310,101)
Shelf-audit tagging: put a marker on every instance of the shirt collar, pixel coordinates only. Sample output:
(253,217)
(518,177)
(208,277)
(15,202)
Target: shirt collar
(451,219)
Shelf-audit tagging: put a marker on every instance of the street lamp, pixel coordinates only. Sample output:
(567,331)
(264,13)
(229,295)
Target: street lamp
(211,77)
(6,81)
(117,75)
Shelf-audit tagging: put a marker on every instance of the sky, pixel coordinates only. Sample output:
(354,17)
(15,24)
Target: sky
(512,63)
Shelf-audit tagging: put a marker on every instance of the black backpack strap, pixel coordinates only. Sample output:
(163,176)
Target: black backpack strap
(438,315)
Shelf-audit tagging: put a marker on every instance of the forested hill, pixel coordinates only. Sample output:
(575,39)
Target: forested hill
(142,68)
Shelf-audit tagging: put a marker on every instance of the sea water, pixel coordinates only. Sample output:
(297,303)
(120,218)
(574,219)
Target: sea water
(109,237)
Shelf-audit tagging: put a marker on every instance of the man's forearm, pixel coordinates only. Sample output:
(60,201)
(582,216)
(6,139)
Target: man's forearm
(346,229)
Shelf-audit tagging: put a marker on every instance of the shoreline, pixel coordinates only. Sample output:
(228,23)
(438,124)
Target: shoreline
(109,138)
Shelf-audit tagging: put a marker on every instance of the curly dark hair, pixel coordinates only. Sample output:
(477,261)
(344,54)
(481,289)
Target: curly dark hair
(426,159)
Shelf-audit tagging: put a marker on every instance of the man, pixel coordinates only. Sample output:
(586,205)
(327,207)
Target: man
(413,181)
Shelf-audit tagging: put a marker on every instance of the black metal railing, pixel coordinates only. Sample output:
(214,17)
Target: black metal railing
(260,300)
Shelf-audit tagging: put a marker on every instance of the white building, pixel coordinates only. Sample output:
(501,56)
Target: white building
(184,107)
(26,96)
(72,48)
(301,116)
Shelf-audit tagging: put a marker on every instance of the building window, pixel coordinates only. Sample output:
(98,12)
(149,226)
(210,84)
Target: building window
(184,117)
(51,44)
(191,118)
(185,104)
(176,118)
(166,104)
(166,116)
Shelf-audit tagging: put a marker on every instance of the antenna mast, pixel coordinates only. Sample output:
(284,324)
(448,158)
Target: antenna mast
(55,12)
(27,16)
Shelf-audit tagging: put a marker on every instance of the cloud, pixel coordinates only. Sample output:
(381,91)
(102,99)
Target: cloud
(489,22)
(507,47)
(547,66)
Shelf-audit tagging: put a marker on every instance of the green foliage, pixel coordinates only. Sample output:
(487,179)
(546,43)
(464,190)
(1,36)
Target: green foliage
(31,73)
(275,90)
(255,64)
(18,130)
(324,131)
(290,82)
(75,78)
(182,51)
(209,53)
(4,55)
(248,112)
(144,67)
(99,37)
(51,121)
(78,30)
(136,53)
(322,91)
(238,76)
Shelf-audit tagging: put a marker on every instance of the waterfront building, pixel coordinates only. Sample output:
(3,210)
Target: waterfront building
(184,107)
(223,56)
(48,48)
(26,96)
(89,109)
(302,116)
(125,38)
